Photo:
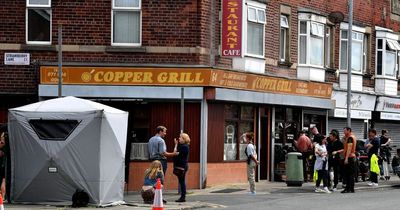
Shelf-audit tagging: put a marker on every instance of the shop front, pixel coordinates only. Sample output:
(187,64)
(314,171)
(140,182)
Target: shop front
(362,106)
(387,116)
(219,107)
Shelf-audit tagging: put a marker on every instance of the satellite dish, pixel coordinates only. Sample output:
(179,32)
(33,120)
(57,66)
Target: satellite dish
(336,17)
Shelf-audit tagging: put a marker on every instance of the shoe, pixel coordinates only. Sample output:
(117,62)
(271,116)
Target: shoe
(181,200)
(318,190)
(252,193)
(370,183)
(345,191)
(375,185)
(325,190)
(164,201)
(334,189)
(381,178)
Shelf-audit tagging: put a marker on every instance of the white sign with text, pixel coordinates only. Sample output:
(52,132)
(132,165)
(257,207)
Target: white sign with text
(16,58)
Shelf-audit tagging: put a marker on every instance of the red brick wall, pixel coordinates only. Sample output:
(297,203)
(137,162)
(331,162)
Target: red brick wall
(225,173)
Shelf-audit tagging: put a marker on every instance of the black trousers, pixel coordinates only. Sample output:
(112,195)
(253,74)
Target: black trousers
(374,177)
(349,174)
(335,165)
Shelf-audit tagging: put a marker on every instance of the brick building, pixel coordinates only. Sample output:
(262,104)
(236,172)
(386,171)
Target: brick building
(267,66)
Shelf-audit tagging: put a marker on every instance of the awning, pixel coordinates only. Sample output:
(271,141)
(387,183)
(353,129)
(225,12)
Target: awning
(393,45)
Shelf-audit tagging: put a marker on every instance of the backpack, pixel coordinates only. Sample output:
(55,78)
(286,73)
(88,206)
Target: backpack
(80,199)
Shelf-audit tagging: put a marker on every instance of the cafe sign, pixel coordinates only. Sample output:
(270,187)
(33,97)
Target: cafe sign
(194,77)
(231,28)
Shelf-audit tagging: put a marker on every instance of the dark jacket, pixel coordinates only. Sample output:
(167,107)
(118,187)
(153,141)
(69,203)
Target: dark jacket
(181,160)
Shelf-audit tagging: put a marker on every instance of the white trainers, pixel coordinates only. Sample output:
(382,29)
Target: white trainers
(375,185)
(334,189)
(370,183)
(325,190)
(318,190)
(252,193)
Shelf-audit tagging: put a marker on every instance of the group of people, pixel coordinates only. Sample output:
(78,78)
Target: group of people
(333,158)
(158,155)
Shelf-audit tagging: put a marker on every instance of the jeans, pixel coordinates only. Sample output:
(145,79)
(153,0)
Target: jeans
(182,185)
(251,175)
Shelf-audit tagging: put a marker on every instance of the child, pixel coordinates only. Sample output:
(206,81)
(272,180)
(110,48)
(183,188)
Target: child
(153,173)
(374,170)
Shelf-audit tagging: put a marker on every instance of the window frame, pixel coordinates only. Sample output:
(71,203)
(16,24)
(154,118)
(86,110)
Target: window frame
(384,51)
(329,51)
(284,39)
(38,6)
(257,21)
(126,9)
(309,35)
(362,55)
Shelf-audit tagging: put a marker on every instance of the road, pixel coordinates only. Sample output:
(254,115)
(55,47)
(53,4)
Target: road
(367,199)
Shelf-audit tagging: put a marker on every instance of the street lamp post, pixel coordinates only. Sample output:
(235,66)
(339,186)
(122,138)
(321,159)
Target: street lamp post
(349,43)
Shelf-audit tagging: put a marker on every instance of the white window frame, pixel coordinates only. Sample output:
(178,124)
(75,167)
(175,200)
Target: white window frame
(132,9)
(258,9)
(38,6)
(310,32)
(396,50)
(355,39)
(283,40)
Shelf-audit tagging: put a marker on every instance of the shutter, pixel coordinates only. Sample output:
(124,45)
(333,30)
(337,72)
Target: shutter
(357,126)
(394,133)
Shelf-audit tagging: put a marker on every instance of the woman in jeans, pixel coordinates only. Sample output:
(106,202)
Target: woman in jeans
(181,163)
(321,165)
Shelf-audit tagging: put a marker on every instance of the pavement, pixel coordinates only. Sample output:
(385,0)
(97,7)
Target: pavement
(134,201)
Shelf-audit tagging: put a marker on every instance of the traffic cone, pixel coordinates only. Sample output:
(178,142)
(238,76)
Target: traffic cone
(1,202)
(158,200)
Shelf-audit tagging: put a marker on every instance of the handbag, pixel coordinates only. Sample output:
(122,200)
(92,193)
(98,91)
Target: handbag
(179,171)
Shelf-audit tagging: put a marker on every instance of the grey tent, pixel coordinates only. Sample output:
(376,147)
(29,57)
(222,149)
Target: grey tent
(64,144)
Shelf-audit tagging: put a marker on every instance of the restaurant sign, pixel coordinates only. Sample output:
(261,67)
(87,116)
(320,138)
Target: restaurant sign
(231,28)
(183,77)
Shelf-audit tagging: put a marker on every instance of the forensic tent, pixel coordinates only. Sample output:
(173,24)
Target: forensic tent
(64,144)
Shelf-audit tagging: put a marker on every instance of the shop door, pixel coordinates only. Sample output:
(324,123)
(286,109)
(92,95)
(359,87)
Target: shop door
(264,144)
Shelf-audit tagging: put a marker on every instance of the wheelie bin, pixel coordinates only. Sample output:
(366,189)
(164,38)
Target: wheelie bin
(294,169)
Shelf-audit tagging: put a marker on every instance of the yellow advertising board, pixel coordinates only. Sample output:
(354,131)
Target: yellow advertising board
(183,77)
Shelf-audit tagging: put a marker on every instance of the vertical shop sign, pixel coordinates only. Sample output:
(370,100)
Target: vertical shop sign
(231,28)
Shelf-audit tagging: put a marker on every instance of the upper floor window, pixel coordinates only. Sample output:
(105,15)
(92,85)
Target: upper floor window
(284,39)
(38,21)
(387,57)
(255,31)
(311,43)
(126,22)
(357,51)
(329,46)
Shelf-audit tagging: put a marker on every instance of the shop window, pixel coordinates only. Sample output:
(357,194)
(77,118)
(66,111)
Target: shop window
(358,57)
(126,22)
(54,130)
(255,31)
(139,132)
(387,60)
(238,121)
(38,21)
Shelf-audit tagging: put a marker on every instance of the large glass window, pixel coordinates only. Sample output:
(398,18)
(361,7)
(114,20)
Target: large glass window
(311,43)
(238,121)
(126,20)
(255,31)
(358,51)
(38,21)
(387,60)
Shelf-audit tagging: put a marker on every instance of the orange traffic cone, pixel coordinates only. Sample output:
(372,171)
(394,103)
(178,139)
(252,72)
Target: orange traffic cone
(158,200)
(1,202)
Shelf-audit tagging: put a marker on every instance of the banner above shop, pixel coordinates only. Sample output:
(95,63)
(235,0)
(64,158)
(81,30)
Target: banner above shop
(231,22)
(193,77)
(386,104)
(358,101)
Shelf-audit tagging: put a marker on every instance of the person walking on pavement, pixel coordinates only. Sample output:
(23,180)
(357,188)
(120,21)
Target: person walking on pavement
(158,150)
(181,163)
(321,165)
(334,145)
(304,146)
(252,161)
(349,151)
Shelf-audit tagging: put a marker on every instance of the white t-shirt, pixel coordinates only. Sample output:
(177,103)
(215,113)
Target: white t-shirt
(320,160)
(251,150)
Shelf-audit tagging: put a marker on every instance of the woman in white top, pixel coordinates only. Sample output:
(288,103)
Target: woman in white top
(321,165)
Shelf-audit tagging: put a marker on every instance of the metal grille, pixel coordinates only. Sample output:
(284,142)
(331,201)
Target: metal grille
(357,126)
